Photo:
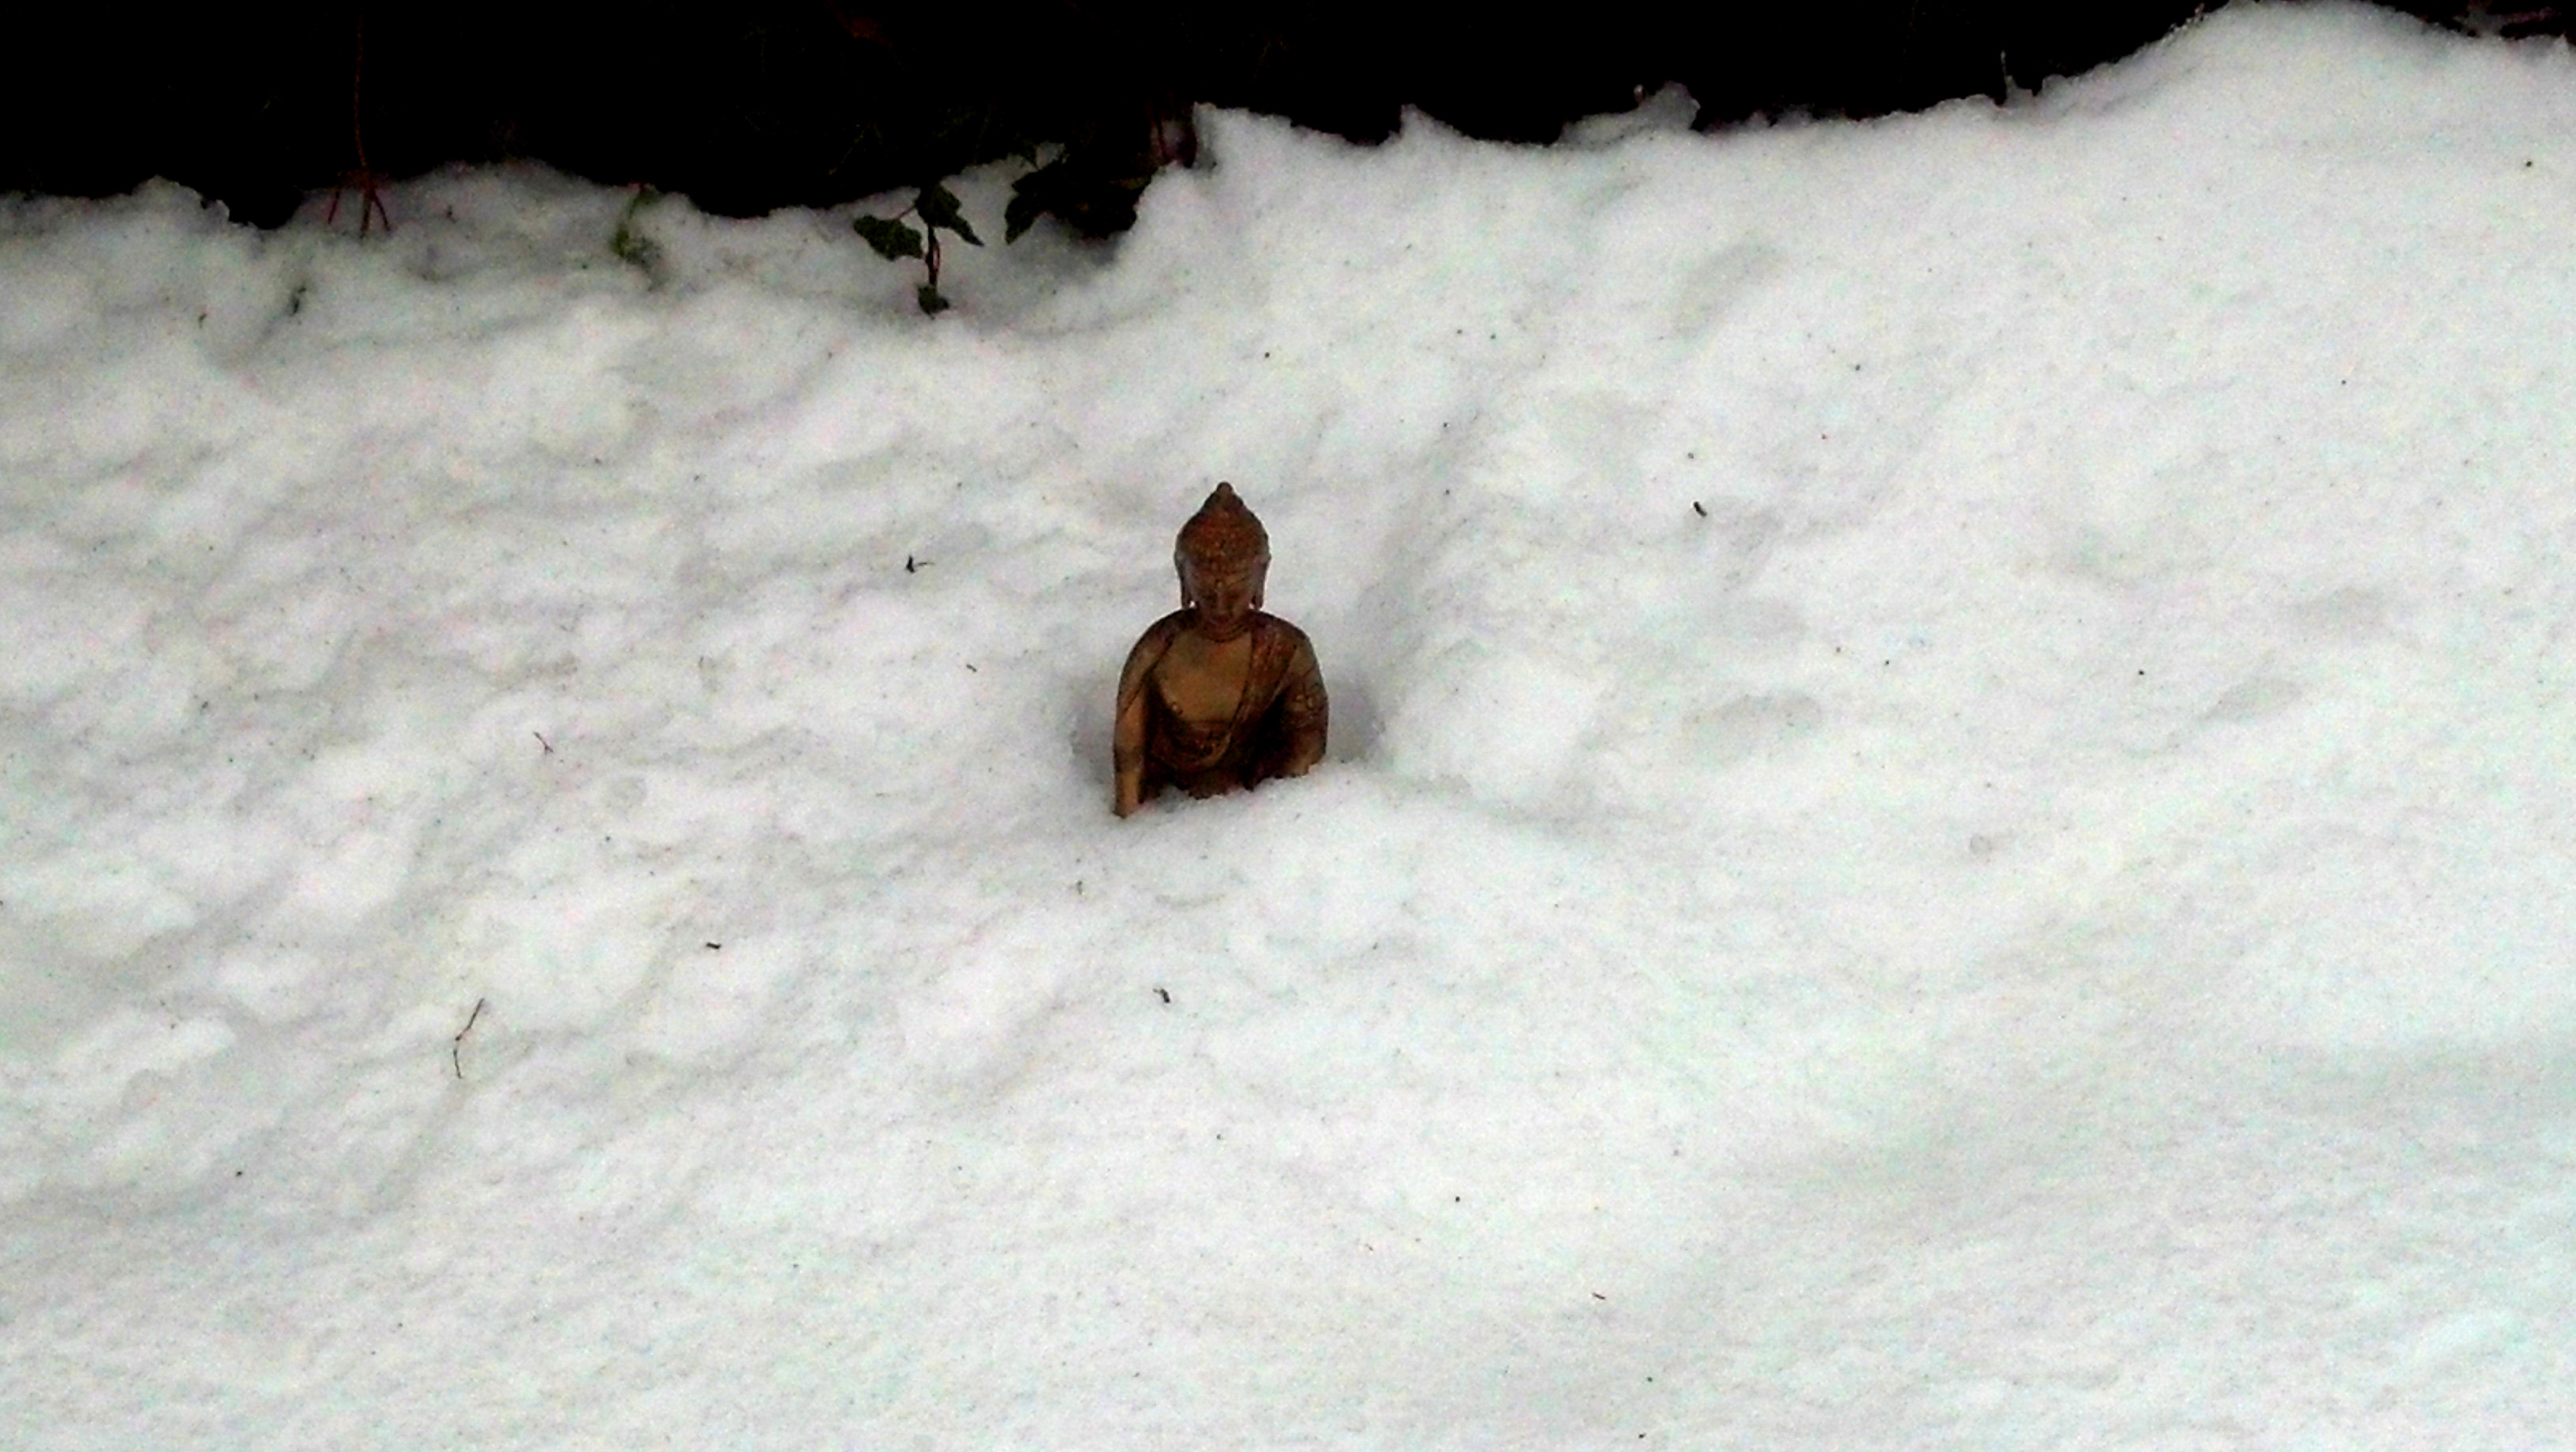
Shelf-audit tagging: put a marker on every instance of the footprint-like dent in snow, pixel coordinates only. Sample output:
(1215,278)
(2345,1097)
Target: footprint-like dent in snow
(2350,613)
(1750,725)
(2255,698)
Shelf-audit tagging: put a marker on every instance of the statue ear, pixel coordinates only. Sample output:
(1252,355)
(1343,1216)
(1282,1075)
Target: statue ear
(1181,568)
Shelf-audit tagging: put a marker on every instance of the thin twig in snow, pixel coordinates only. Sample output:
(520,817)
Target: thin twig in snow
(456,1049)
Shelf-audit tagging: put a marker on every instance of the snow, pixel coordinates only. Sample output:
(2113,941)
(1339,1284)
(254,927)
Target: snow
(1948,821)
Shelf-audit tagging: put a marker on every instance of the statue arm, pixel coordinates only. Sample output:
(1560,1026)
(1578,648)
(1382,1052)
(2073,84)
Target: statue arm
(1127,756)
(1305,712)
(1127,733)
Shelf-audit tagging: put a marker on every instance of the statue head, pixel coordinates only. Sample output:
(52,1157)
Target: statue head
(1223,558)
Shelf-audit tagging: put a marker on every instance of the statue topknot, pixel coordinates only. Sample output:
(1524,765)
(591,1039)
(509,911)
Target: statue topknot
(1223,535)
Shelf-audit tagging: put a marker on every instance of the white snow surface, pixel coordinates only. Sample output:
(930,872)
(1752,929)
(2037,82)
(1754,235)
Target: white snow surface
(1949,820)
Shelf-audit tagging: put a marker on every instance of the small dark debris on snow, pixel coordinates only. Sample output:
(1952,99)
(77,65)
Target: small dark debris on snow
(456,1047)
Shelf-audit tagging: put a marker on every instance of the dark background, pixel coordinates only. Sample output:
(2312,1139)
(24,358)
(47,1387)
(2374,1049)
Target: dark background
(750,106)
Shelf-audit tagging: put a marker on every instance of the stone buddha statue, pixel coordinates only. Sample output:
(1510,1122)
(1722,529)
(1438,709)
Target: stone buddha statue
(1217,695)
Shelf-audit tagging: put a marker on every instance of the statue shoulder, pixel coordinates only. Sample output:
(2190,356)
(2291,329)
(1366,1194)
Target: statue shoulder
(1149,651)
(1280,635)
(1282,641)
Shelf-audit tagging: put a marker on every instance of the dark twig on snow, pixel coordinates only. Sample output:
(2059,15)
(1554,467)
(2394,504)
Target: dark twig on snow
(370,183)
(456,1049)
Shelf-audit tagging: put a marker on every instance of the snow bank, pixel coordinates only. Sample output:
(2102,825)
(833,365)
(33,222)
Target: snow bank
(1947,823)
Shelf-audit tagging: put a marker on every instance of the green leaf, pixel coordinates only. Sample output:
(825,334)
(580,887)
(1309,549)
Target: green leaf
(932,304)
(628,241)
(938,208)
(1021,215)
(1033,196)
(893,240)
(635,248)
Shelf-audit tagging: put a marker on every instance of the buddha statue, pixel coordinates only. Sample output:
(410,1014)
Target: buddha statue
(1217,695)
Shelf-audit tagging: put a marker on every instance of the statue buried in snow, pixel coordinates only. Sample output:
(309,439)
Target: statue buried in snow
(1217,695)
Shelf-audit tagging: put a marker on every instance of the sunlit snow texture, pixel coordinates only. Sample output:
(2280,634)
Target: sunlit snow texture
(1949,824)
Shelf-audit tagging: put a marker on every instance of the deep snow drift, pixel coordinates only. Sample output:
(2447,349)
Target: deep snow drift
(1949,820)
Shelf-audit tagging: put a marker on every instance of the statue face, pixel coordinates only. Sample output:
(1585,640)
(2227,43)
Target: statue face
(1224,599)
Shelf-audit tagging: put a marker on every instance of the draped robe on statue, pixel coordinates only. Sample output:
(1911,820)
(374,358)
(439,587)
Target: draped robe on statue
(1283,709)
